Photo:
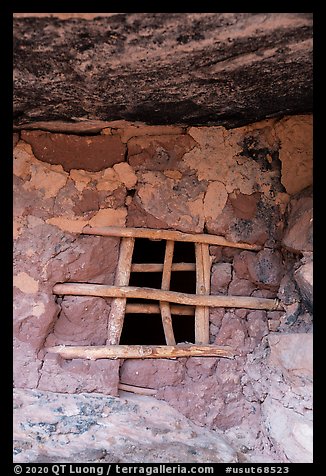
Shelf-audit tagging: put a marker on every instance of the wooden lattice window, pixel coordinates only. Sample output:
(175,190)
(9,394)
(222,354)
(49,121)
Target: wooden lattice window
(166,298)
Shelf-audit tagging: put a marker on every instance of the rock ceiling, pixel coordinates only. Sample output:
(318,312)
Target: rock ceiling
(225,69)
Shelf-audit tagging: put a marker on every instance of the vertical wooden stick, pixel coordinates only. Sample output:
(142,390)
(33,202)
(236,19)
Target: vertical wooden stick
(207,263)
(165,306)
(202,287)
(118,305)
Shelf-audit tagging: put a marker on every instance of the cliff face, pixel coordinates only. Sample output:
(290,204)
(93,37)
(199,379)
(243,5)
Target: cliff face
(225,69)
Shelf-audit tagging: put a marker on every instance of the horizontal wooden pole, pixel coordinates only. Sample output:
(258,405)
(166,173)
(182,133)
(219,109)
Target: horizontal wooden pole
(158,267)
(178,310)
(141,351)
(103,290)
(165,235)
(135,389)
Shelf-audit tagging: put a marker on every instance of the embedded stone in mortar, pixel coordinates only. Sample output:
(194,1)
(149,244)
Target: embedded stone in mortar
(25,283)
(177,203)
(295,134)
(92,153)
(159,152)
(126,174)
(215,199)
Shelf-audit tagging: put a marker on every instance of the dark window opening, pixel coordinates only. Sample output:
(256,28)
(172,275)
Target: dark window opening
(145,280)
(148,251)
(147,329)
(184,252)
(142,329)
(183,281)
(184,328)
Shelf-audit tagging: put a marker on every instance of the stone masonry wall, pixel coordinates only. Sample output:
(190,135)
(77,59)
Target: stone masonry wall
(251,184)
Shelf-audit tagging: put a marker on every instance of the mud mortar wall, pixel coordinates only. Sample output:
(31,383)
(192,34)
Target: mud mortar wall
(251,184)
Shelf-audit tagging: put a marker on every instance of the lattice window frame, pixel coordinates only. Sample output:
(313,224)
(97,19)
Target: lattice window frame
(121,290)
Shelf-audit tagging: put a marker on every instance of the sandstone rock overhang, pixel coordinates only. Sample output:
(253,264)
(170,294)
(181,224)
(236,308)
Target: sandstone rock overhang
(226,69)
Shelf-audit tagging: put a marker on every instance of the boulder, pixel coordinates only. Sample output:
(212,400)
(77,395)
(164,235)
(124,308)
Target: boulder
(298,236)
(288,429)
(293,353)
(92,428)
(304,279)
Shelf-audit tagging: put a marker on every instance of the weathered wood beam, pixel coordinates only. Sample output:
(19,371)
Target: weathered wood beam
(103,290)
(135,389)
(165,235)
(178,310)
(158,267)
(141,351)
(202,287)
(122,276)
(164,305)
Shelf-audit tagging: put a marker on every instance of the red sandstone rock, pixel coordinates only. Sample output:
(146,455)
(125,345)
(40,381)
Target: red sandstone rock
(298,236)
(256,230)
(162,152)
(241,287)
(91,153)
(264,293)
(115,199)
(242,313)
(240,264)
(177,202)
(233,332)
(90,259)
(257,325)
(304,279)
(284,353)
(221,275)
(215,253)
(266,268)
(89,202)
(216,315)
(244,205)
(288,292)
(296,152)
(137,216)
(290,430)
(152,373)
(94,428)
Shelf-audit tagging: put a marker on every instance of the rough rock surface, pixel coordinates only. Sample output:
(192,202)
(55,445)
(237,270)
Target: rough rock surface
(288,414)
(221,275)
(51,427)
(298,236)
(164,68)
(304,279)
(266,268)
